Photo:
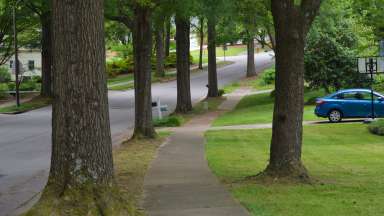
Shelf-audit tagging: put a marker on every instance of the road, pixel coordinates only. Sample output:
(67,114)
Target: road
(25,139)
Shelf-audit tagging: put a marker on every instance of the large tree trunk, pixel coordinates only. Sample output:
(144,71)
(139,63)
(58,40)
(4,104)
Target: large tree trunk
(82,150)
(160,49)
(201,21)
(142,46)
(167,36)
(46,55)
(184,103)
(291,26)
(213,90)
(251,69)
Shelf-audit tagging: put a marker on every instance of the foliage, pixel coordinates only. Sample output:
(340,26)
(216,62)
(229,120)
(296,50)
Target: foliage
(3,89)
(170,121)
(122,50)
(330,54)
(268,77)
(371,12)
(5,76)
(119,66)
(379,83)
(377,128)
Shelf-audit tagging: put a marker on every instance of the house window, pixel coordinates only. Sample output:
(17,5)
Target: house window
(31,65)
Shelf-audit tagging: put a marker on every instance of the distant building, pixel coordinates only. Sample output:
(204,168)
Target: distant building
(30,63)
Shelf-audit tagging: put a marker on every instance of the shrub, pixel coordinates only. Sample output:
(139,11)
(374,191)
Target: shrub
(268,76)
(171,121)
(221,92)
(24,86)
(379,83)
(377,128)
(5,76)
(171,60)
(3,89)
(119,66)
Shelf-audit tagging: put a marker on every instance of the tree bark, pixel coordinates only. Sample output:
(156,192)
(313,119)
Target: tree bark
(46,55)
(184,102)
(251,69)
(213,90)
(201,21)
(291,26)
(167,36)
(142,46)
(81,137)
(160,49)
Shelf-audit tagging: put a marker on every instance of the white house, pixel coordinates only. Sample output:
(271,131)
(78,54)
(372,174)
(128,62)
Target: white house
(30,63)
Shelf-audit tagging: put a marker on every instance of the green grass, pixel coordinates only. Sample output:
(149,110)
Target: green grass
(232,51)
(169,121)
(120,79)
(258,109)
(36,103)
(344,159)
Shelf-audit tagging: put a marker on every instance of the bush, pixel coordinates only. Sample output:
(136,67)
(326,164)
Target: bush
(29,86)
(377,128)
(24,86)
(5,76)
(119,66)
(268,77)
(221,92)
(171,60)
(3,89)
(171,121)
(379,83)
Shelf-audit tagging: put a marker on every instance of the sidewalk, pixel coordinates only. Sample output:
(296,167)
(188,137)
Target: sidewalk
(180,183)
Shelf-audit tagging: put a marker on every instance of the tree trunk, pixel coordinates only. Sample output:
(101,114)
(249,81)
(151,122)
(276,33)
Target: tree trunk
(142,46)
(184,102)
(213,90)
(82,149)
(291,26)
(160,49)
(167,36)
(46,55)
(251,69)
(201,43)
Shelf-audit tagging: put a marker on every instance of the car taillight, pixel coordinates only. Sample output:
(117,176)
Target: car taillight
(320,102)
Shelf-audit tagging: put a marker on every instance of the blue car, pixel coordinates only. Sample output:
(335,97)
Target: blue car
(350,103)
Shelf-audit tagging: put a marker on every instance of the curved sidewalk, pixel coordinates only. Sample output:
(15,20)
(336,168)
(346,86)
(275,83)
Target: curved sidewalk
(180,183)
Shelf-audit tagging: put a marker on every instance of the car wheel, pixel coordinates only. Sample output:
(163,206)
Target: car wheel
(335,116)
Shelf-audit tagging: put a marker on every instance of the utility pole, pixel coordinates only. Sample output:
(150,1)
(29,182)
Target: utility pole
(16,63)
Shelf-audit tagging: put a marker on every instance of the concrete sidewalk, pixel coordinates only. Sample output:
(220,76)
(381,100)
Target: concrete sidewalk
(180,183)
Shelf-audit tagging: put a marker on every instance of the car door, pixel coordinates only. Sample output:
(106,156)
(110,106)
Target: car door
(353,105)
(379,105)
(365,99)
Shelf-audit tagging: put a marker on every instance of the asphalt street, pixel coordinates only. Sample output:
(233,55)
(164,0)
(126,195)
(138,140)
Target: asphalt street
(25,139)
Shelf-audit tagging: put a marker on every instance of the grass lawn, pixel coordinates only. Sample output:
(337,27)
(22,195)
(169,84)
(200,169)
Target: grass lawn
(345,160)
(120,79)
(258,109)
(232,51)
(35,103)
